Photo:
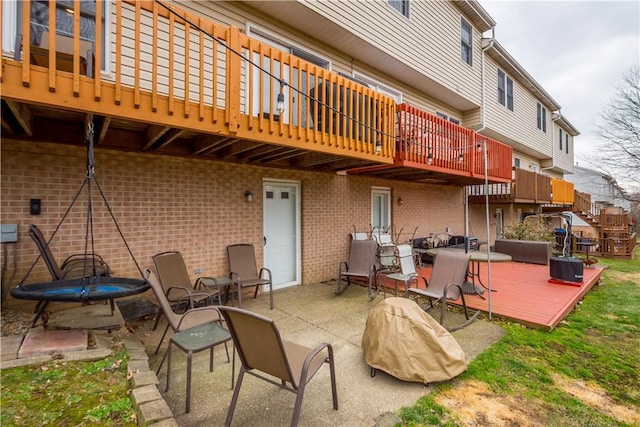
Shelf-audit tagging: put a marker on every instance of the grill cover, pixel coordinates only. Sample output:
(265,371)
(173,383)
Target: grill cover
(404,341)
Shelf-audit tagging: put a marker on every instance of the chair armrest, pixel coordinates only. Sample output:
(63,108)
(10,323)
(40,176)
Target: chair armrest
(310,356)
(187,294)
(264,269)
(215,315)
(81,258)
(200,285)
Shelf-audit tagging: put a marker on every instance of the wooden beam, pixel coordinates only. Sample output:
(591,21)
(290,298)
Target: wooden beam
(22,114)
(168,138)
(153,134)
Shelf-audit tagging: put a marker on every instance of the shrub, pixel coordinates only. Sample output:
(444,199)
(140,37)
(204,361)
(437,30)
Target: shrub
(529,230)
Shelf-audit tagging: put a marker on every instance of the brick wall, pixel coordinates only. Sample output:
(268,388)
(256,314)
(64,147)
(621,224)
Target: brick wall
(195,206)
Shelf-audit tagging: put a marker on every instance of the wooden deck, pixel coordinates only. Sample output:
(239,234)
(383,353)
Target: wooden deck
(524,294)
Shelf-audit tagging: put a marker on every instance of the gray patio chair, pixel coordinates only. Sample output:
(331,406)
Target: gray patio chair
(263,351)
(361,264)
(448,274)
(243,271)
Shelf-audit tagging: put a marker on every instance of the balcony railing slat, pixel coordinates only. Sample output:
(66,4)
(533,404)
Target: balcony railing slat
(52,52)
(97,57)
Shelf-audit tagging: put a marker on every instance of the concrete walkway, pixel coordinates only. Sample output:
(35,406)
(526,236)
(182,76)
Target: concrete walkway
(307,315)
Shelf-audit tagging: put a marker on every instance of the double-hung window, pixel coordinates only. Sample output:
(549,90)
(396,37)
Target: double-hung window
(466,39)
(401,6)
(505,90)
(542,118)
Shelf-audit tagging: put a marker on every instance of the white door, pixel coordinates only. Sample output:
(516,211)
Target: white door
(281,220)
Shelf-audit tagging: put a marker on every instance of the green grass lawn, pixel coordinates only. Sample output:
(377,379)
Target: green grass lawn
(68,394)
(583,373)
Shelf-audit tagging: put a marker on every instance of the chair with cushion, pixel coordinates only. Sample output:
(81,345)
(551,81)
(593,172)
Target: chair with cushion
(265,355)
(205,323)
(448,274)
(243,271)
(176,283)
(361,264)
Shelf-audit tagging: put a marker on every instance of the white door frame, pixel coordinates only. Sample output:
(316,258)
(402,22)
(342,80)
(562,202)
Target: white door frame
(296,229)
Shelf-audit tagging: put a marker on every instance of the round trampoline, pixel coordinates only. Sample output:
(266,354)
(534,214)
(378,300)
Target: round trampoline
(81,290)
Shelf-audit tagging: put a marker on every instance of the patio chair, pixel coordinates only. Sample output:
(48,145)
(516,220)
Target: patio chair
(75,266)
(448,274)
(201,326)
(176,284)
(408,273)
(192,317)
(263,351)
(361,264)
(243,271)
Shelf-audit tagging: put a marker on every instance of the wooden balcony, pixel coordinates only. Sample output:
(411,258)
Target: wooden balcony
(175,83)
(525,187)
(434,150)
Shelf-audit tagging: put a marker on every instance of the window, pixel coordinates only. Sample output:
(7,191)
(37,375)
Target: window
(560,139)
(380,207)
(466,38)
(266,81)
(64,19)
(449,118)
(505,90)
(401,6)
(516,162)
(542,118)
(566,142)
(375,85)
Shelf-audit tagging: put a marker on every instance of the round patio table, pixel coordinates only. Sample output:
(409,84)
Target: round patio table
(470,287)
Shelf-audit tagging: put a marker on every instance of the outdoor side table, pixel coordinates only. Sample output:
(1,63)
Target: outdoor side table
(191,341)
(221,283)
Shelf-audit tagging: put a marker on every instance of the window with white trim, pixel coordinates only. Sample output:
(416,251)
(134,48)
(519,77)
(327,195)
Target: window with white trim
(505,90)
(401,6)
(542,118)
(466,41)
(380,208)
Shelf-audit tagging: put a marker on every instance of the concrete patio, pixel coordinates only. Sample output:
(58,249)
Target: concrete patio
(307,315)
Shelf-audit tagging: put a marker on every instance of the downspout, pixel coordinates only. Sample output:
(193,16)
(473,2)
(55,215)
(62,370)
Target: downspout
(483,124)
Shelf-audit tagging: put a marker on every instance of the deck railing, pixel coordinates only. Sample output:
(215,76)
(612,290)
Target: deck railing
(582,203)
(434,143)
(525,187)
(562,192)
(167,66)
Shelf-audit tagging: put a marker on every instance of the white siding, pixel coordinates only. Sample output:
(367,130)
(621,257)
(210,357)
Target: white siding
(520,124)
(428,42)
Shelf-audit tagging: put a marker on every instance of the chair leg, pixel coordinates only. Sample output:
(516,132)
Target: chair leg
(155,325)
(332,369)
(234,398)
(162,338)
(298,404)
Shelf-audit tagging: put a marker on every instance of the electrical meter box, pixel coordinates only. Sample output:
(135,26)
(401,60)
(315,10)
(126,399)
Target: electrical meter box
(9,233)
